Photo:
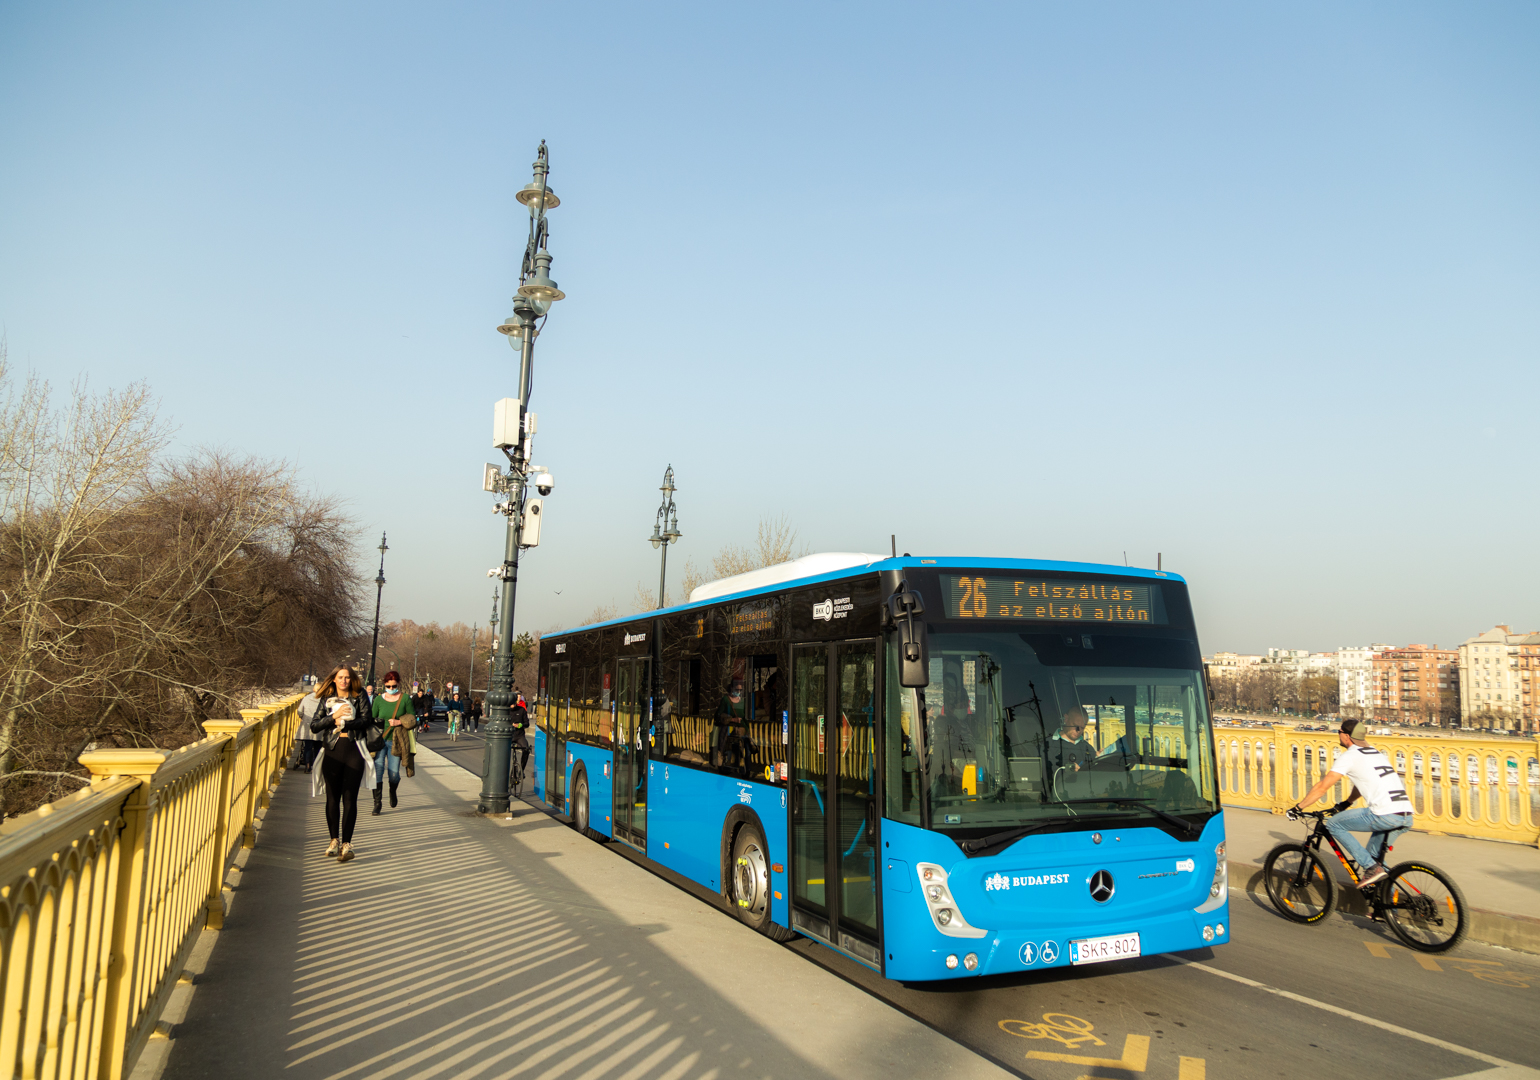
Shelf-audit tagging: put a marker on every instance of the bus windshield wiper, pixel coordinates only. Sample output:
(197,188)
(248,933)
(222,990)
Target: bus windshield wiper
(1148,804)
(999,839)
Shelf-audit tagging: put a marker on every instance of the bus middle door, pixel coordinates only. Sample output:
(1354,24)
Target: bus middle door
(833,795)
(632,688)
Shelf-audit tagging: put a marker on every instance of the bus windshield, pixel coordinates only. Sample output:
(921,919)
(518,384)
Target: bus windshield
(1023,729)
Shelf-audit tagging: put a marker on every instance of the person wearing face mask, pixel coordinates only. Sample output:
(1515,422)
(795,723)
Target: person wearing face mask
(393,712)
(344,721)
(731,746)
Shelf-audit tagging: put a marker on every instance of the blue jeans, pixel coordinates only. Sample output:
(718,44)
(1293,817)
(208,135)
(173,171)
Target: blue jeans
(1386,828)
(386,760)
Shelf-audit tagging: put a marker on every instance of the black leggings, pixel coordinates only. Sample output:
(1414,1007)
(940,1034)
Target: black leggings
(343,778)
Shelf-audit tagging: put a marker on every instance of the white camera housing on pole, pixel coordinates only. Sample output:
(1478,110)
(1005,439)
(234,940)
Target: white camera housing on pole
(529,535)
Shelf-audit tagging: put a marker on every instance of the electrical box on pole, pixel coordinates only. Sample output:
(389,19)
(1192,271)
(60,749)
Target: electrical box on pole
(505,424)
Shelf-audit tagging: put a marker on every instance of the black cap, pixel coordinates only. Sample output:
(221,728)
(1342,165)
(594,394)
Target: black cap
(1348,727)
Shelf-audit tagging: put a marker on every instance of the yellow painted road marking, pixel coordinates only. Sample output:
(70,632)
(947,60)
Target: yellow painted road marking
(1136,1055)
(1382,950)
(1060,1027)
(1072,1030)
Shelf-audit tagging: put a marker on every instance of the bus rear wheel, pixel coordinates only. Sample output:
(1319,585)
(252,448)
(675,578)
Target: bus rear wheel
(748,882)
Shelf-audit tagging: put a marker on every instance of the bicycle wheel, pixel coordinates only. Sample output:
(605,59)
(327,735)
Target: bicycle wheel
(1424,908)
(1299,884)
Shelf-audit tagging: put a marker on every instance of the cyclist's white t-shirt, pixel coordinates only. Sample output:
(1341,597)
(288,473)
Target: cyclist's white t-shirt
(1375,778)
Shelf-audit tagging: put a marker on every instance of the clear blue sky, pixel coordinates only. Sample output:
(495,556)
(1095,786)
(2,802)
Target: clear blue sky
(1253,286)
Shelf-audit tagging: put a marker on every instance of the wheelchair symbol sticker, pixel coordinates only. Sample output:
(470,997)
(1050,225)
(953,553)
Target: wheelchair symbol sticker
(1050,952)
(1029,954)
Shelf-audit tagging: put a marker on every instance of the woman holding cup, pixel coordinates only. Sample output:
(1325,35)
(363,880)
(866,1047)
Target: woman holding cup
(343,720)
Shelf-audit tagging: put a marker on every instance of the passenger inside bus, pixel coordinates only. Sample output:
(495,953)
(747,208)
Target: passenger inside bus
(731,747)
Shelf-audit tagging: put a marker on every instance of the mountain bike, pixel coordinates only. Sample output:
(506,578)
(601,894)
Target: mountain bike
(1420,903)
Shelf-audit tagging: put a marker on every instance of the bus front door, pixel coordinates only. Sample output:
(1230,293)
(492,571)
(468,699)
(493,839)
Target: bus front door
(833,795)
(631,692)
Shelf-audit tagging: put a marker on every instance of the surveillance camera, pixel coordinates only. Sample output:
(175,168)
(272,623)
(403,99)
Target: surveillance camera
(545,483)
(496,571)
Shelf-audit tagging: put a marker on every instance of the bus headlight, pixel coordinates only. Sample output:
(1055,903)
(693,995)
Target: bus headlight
(944,911)
(1218,890)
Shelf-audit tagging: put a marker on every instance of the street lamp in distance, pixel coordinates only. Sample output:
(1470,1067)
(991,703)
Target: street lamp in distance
(379,590)
(665,529)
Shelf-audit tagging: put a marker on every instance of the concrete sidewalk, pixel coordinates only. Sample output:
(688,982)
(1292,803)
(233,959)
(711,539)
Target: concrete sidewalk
(1501,882)
(460,946)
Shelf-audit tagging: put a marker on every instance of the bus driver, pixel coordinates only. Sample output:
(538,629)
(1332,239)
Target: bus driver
(1387,815)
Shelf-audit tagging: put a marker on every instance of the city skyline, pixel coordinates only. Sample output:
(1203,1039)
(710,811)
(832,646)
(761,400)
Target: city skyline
(1252,290)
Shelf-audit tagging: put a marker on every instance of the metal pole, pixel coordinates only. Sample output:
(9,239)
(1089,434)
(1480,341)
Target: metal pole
(498,747)
(662,575)
(470,681)
(379,590)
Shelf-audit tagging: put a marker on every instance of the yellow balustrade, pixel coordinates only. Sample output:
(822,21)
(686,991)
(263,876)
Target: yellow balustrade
(1461,785)
(103,892)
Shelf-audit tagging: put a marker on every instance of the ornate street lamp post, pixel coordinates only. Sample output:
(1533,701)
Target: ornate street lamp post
(379,590)
(536,293)
(665,529)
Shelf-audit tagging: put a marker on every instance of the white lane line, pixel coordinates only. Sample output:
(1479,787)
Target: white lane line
(1351,1015)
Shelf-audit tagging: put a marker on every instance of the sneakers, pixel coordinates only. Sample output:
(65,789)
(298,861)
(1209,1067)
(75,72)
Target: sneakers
(347,853)
(332,849)
(1377,873)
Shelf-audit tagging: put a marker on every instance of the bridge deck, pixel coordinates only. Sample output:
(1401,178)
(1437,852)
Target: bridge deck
(457,946)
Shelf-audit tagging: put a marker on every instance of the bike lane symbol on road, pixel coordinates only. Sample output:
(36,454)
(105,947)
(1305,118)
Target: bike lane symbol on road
(1050,951)
(1029,954)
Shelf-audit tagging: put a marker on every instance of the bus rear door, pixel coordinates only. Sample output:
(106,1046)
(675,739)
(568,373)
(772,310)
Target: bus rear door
(833,795)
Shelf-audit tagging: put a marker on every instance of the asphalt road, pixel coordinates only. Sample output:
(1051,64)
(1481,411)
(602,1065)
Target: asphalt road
(1280,1000)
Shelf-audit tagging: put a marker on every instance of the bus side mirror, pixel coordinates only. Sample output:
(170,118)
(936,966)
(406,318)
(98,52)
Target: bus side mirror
(902,613)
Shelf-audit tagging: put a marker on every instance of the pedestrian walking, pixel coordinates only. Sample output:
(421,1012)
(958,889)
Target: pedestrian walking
(476,714)
(393,712)
(344,720)
(307,744)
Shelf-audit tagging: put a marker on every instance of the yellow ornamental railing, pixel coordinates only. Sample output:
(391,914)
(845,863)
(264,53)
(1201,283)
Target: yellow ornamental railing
(103,893)
(1460,785)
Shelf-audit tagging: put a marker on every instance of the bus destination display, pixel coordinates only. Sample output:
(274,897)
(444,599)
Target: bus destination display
(1046,600)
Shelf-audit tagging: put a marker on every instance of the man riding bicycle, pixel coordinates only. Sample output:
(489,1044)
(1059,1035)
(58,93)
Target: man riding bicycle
(1388,812)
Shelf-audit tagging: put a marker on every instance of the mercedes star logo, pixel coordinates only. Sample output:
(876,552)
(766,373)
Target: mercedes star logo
(1101,886)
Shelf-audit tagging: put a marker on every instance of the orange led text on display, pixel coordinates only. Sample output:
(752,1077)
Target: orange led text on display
(1037,599)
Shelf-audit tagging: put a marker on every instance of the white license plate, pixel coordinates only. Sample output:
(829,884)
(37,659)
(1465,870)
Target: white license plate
(1098,950)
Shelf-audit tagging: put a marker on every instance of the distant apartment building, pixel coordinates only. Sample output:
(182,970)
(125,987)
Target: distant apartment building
(1229,665)
(1355,678)
(1299,662)
(1414,684)
(1499,673)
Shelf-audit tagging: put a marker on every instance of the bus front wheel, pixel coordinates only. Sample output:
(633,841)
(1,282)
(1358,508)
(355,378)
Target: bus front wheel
(580,805)
(749,882)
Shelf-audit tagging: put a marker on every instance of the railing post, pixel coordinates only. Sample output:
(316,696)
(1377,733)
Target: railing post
(215,903)
(259,762)
(128,914)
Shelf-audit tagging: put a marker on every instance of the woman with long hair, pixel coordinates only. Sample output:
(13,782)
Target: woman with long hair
(344,721)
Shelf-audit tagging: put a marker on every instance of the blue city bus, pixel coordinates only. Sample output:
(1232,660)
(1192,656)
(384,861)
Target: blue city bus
(938,767)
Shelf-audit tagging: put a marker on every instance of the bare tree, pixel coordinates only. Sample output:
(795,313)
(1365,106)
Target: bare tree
(139,597)
(775,542)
